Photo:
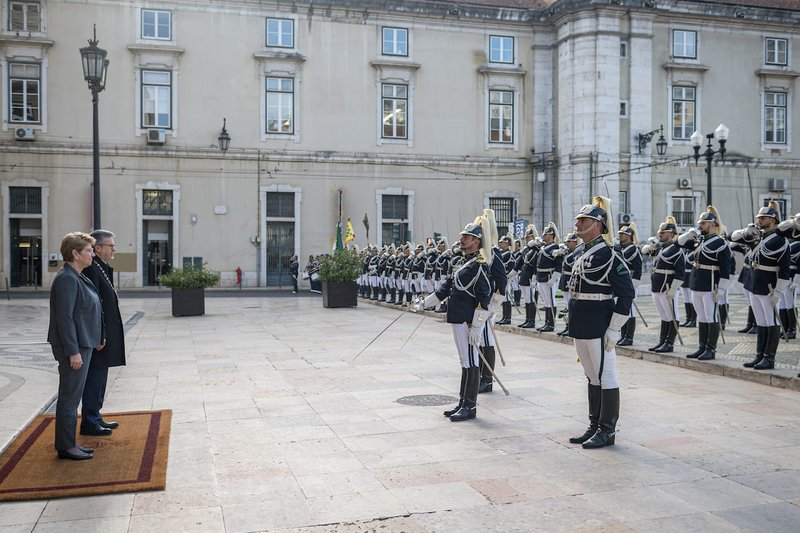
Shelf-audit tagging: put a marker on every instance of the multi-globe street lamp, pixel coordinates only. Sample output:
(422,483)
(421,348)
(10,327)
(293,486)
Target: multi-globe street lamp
(721,134)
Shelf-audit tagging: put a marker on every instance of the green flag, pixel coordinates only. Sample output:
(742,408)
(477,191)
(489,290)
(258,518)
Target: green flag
(339,245)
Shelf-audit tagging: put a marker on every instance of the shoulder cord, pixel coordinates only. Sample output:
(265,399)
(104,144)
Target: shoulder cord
(581,269)
(671,259)
(762,250)
(466,288)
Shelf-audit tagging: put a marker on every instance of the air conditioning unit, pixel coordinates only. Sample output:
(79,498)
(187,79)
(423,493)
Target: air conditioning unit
(25,134)
(625,219)
(777,184)
(684,183)
(155,136)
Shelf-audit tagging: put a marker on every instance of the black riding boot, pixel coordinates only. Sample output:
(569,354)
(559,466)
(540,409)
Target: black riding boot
(791,331)
(506,314)
(401,294)
(691,316)
(783,314)
(702,330)
(461,391)
(409,297)
(723,315)
(517,297)
(486,375)
(662,336)
(773,338)
(751,322)
(607,425)
(469,409)
(594,415)
(627,335)
(761,344)
(669,342)
(549,322)
(711,342)
(529,322)
(564,332)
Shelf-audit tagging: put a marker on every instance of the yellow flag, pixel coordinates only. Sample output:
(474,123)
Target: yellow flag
(349,234)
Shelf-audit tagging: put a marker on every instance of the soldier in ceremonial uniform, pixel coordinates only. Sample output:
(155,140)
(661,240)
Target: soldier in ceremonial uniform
(527,276)
(790,229)
(469,293)
(548,272)
(497,282)
(744,241)
(629,251)
(769,280)
(442,270)
(710,276)
(418,270)
(665,279)
(507,259)
(601,293)
(571,245)
(388,275)
(517,254)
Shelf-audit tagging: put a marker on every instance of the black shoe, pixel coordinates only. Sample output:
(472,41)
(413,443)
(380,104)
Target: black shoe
(766,363)
(465,413)
(625,341)
(451,412)
(96,431)
(108,425)
(82,456)
(754,362)
(664,348)
(564,332)
(708,355)
(503,322)
(86,450)
(485,386)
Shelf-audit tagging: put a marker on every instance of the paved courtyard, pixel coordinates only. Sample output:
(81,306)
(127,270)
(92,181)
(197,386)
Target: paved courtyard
(278,426)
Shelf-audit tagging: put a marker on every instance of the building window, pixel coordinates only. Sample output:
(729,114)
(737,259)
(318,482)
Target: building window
(157,202)
(156,24)
(683,210)
(280,204)
(623,49)
(623,202)
(280,105)
(395,108)
(395,42)
(24,16)
(684,44)
(777,51)
(775,118)
(156,99)
(683,112)
(503,213)
(501,49)
(24,87)
(280,33)
(623,109)
(501,116)
(25,200)
(394,212)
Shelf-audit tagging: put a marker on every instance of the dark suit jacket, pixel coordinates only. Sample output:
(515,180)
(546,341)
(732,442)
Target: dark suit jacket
(76,317)
(114,352)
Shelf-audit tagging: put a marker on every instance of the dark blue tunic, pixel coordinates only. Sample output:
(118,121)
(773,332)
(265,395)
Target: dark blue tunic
(668,266)
(467,288)
(771,259)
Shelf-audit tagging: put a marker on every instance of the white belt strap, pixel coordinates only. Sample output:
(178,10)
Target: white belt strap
(767,268)
(592,297)
(663,271)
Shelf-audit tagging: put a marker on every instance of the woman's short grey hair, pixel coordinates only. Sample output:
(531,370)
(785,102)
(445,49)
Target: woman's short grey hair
(101,235)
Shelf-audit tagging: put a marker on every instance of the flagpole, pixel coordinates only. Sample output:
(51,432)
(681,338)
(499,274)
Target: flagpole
(340,207)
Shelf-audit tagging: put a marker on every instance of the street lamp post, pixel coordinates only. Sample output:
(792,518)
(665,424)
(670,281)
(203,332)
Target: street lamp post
(643,139)
(721,134)
(95,68)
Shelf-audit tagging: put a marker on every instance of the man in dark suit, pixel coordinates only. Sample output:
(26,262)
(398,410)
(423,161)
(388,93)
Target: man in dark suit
(113,354)
(76,327)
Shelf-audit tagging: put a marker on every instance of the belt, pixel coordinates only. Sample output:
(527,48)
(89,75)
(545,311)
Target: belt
(663,271)
(767,268)
(706,267)
(545,270)
(591,297)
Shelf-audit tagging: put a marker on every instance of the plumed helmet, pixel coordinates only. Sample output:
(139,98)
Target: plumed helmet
(571,237)
(630,231)
(506,239)
(473,229)
(531,231)
(712,215)
(551,229)
(669,224)
(491,232)
(600,209)
(772,209)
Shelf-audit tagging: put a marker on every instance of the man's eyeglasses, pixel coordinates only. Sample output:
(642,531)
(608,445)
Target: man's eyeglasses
(107,244)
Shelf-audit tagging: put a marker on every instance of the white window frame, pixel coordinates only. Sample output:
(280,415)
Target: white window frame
(394,73)
(502,105)
(776,62)
(171,92)
(695,195)
(393,191)
(280,43)
(394,30)
(501,39)
(394,99)
(695,126)
(38,80)
(684,32)
(766,106)
(281,94)
(157,13)
(7,16)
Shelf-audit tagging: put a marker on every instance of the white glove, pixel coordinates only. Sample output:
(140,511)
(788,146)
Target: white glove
(676,284)
(738,235)
(613,333)
(786,225)
(689,235)
(479,319)
(751,231)
(513,274)
(796,219)
(795,281)
(782,286)
(554,279)
(494,304)
(430,301)
(648,249)
(715,295)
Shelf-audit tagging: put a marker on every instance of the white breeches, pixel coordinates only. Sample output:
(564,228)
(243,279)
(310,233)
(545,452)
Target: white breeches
(762,310)
(787,299)
(467,353)
(600,366)
(547,292)
(373,281)
(668,311)
(723,297)
(487,339)
(527,293)
(704,306)
(515,283)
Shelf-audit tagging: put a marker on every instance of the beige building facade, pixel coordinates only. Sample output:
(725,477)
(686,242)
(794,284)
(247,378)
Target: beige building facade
(413,117)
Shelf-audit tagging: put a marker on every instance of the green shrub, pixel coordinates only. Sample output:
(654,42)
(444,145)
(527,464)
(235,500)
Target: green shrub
(343,265)
(189,277)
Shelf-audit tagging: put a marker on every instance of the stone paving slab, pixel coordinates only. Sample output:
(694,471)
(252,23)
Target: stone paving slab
(278,426)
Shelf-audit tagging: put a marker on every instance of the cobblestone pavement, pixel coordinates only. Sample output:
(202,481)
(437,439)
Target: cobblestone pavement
(278,426)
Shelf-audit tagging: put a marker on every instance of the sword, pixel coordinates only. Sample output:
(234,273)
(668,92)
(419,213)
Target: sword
(379,334)
(483,358)
(716,316)
(640,314)
(412,333)
(497,343)
(675,319)
(776,315)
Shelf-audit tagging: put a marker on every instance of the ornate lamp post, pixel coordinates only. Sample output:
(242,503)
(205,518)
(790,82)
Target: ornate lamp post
(645,138)
(95,68)
(224,139)
(721,134)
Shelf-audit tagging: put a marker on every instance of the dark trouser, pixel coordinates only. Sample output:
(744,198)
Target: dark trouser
(294,284)
(94,391)
(70,390)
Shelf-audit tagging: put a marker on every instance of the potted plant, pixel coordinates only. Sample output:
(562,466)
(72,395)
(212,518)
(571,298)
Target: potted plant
(188,286)
(338,274)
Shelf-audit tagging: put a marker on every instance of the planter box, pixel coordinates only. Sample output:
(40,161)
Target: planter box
(188,302)
(339,294)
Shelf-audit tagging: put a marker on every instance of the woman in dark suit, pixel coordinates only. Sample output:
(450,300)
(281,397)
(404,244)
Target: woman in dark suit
(76,327)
